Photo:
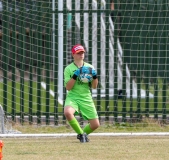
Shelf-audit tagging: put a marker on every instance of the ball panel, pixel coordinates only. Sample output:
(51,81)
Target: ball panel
(85,78)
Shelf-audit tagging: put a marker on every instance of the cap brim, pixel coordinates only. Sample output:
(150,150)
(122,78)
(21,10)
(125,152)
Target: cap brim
(80,50)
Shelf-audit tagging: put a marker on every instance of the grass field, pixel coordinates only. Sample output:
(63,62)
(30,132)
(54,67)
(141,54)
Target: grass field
(147,125)
(60,108)
(99,148)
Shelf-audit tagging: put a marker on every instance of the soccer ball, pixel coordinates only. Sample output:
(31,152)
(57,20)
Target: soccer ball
(85,78)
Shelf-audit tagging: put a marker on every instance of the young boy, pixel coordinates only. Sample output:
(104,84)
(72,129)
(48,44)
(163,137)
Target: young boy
(79,96)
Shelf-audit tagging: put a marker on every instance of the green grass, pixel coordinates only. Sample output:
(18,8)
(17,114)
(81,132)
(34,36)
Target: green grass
(145,125)
(60,108)
(100,148)
(26,97)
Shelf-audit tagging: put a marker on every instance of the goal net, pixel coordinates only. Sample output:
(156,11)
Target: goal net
(126,41)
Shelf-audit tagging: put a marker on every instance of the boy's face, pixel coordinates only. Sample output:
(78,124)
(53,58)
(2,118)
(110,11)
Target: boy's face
(78,56)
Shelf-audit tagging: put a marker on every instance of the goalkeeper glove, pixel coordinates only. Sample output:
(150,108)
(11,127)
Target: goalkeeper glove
(76,74)
(94,73)
(89,70)
(85,69)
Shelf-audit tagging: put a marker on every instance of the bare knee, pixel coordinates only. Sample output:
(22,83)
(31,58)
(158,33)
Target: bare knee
(69,112)
(94,124)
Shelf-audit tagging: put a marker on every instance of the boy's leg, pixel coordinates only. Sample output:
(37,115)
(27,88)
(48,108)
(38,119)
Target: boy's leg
(93,124)
(69,114)
(75,125)
(87,129)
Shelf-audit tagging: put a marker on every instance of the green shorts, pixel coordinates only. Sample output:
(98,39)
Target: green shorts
(85,106)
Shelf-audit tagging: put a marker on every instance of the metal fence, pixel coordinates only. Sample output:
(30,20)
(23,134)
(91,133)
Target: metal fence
(26,44)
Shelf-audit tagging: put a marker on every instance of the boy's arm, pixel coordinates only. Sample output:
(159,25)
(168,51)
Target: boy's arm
(95,79)
(70,84)
(70,80)
(94,83)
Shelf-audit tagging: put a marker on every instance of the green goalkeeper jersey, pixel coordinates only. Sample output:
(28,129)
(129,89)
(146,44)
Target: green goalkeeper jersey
(80,89)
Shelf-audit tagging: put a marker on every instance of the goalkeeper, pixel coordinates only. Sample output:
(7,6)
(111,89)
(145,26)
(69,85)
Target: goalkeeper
(79,97)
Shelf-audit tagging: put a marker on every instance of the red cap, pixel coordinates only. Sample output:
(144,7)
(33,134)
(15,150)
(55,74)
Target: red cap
(77,48)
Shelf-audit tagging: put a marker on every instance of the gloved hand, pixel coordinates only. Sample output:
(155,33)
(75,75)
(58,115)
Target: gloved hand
(94,73)
(89,70)
(76,74)
(85,69)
